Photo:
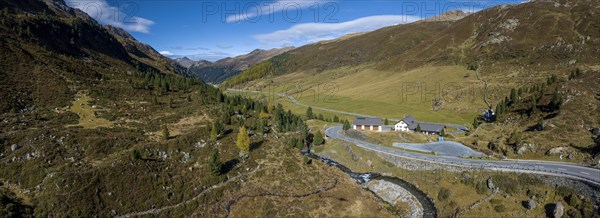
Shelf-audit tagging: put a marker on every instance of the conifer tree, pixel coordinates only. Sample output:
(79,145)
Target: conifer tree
(475,123)
(346,125)
(309,113)
(214,163)
(243,141)
(318,138)
(513,96)
(214,133)
(166,134)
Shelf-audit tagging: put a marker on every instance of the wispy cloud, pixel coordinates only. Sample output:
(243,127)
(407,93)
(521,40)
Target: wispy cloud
(166,53)
(189,48)
(224,46)
(251,12)
(122,17)
(311,32)
(207,55)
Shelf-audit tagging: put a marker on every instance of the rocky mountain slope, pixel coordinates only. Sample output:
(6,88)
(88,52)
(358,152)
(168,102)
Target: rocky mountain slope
(95,123)
(223,69)
(185,62)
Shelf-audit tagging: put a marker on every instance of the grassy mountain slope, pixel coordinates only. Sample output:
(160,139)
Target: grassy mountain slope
(223,69)
(421,68)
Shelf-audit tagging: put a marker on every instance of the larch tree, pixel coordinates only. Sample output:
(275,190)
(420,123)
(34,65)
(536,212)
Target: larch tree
(243,140)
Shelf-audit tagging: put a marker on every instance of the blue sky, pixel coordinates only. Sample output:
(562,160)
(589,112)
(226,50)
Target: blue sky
(212,30)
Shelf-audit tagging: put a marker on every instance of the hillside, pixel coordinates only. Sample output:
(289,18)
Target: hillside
(97,124)
(223,69)
(440,70)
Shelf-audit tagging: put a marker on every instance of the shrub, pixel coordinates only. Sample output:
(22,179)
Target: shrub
(564,191)
(444,194)
(495,201)
(573,200)
(573,213)
(500,208)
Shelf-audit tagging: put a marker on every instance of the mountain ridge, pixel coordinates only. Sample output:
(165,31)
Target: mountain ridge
(218,71)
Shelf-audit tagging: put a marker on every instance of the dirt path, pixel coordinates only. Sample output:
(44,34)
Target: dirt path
(231,203)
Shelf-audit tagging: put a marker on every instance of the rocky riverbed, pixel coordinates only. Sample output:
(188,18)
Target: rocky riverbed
(393,194)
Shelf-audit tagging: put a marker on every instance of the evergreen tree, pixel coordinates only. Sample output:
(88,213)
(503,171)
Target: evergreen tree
(498,109)
(318,140)
(418,129)
(293,142)
(346,125)
(533,105)
(214,163)
(555,102)
(321,117)
(214,134)
(336,119)
(166,135)
(540,125)
(443,132)
(475,123)
(309,113)
(572,75)
(243,140)
(386,122)
(513,96)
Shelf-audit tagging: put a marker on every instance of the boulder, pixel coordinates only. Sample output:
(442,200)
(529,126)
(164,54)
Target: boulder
(14,147)
(490,184)
(530,204)
(596,131)
(559,210)
(525,148)
(557,150)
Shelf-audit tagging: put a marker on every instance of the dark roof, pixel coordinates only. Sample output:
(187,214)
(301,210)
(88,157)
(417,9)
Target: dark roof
(409,119)
(427,127)
(367,121)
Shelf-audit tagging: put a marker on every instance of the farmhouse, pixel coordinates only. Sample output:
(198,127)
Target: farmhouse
(409,123)
(367,123)
(404,123)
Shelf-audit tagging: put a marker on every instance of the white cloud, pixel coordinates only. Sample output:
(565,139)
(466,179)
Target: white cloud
(121,17)
(312,32)
(166,53)
(253,10)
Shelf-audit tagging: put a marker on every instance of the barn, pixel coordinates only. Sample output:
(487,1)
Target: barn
(367,123)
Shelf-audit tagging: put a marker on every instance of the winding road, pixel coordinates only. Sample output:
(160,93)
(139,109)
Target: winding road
(568,170)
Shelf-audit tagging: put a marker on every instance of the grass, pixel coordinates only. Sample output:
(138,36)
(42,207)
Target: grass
(87,113)
(387,94)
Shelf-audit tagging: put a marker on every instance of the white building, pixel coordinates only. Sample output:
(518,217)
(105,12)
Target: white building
(404,123)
